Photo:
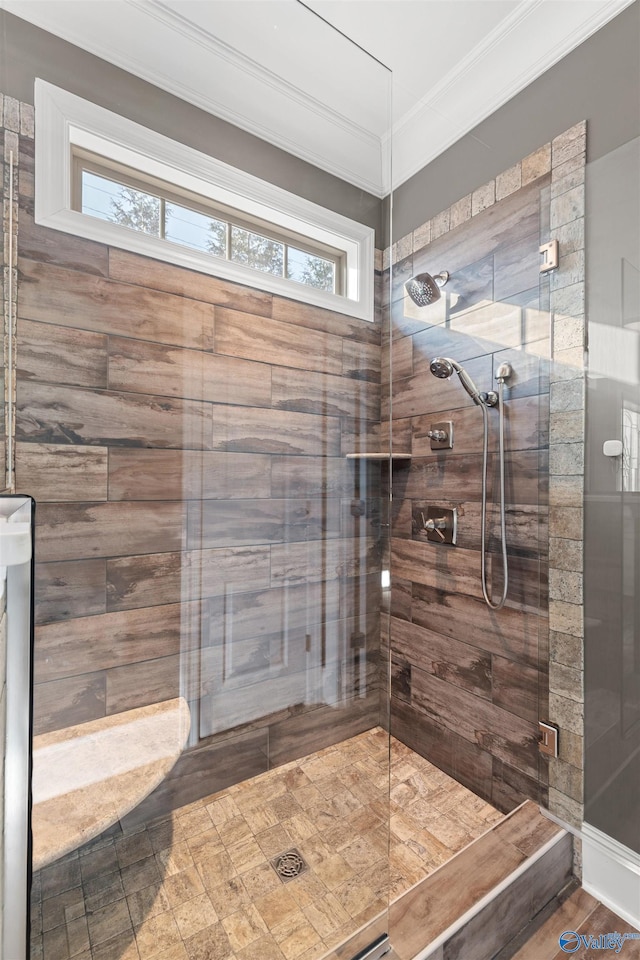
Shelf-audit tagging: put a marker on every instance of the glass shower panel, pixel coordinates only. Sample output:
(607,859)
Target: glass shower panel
(211,758)
(612,504)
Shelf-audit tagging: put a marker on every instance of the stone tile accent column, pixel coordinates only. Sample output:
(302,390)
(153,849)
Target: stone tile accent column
(566,474)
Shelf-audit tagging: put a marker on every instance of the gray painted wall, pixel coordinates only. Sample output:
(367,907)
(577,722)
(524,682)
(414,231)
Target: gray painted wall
(599,81)
(27,52)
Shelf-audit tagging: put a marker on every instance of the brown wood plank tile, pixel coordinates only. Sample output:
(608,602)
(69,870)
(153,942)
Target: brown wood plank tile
(56,295)
(228,523)
(320,728)
(75,588)
(517,266)
(507,737)
(90,644)
(154,368)
(445,568)
(161,578)
(145,272)
(53,472)
(317,318)
(466,762)
(493,927)
(570,915)
(61,355)
(496,227)
(50,414)
(411,397)
(249,430)
(361,360)
(78,530)
(141,474)
(320,476)
(469,619)
(457,663)
(460,477)
(527,829)
(270,341)
(65,702)
(322,559)
(525,428)
(419,917)
(515,687)
(60,249)
(397,360)
(311,392)
(138,684)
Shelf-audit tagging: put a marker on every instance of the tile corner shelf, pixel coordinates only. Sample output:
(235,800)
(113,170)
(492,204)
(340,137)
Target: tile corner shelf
(86,777)
(378,456)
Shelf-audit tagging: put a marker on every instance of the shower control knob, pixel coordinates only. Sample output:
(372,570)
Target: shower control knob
(437,434)
(437,525)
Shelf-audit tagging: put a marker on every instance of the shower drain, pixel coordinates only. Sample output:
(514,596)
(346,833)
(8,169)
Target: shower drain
(289,865)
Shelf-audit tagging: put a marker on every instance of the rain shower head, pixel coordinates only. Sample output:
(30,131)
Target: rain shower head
(425,289)
(443,367)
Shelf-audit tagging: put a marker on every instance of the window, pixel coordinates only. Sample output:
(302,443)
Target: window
(122,196)
(104,177)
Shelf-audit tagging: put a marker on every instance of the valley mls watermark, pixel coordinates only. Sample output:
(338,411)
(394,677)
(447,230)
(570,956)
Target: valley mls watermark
(570,941)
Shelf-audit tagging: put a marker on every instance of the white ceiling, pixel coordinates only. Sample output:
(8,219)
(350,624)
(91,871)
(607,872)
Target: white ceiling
(276,69)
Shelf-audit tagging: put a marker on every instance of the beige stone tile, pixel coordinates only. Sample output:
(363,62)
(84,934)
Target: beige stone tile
(295,936)
(212,943)
(422,236)
(147,903)
(141,874)
(222,809)
(566,681)
(78,936)
(306,888)
(107,922)
(299,828)
(176,952)
(215,870)
(205,845)
(157,934)
(569,143)
(229,896)
(567,713)
(175,858)
(244,927)
(440,224)
(264,949)
(246,854)
(234,830)
(195,821)
(460,212)
(333,871)
(567,207)
(326,915)
(194,915)
(483,197)
(536,164)
(274,840)
(509,181)
(565,585)
(131,849)
(354,895)
(566,649)
(163,834)
(360,854)
(183,886)
(121,947)
(260,879)
(274,907)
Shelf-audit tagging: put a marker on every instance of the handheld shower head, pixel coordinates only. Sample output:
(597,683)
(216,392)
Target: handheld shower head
(443,367)
(425,289)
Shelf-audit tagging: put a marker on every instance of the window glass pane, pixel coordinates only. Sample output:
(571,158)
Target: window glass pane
(118,203)
(310,269)
(194,229)
(256,251)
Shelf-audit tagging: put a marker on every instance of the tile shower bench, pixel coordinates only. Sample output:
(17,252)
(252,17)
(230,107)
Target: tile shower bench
(86,777)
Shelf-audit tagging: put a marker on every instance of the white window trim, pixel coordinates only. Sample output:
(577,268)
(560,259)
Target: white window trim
(64,121)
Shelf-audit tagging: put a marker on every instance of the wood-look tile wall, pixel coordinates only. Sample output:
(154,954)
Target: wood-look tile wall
(200,530)
(469,684)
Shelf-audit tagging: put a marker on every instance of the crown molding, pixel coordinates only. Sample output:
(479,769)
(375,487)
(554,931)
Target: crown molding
(485,60)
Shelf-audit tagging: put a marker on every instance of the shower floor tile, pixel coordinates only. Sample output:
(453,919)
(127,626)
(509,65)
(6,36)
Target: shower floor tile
(203,885)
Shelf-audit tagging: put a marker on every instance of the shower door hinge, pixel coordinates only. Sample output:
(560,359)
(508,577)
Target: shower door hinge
(550,256)
(548,739)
